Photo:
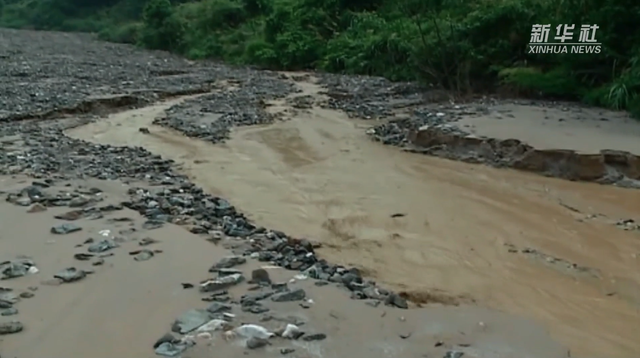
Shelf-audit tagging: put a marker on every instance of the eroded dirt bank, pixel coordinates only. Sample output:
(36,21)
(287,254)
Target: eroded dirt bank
(443,232)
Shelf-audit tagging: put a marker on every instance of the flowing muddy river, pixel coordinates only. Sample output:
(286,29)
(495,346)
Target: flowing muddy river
(444,231)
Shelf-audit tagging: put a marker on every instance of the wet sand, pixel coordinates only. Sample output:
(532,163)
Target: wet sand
(125,305)
(318,175)
(585,130)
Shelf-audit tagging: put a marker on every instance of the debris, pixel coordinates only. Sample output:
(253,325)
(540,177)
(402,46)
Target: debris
(10,327)
(70,274)
(65,229)
(289,296)
(190,321)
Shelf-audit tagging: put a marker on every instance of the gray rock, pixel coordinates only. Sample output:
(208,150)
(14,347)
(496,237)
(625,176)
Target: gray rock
(228,262)
(15,268)
(70,274)
(23,201)
(221,283)
(143,255)
(65,229)
(395,300)
(171,349)
(10,327)
(255,343)
(190,321)
(102,246)
(289,296)
(79,201)
(260,276)
(314,337)
(9,312)
(216,307)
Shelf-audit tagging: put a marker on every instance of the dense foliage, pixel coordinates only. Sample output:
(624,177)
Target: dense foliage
(461,45)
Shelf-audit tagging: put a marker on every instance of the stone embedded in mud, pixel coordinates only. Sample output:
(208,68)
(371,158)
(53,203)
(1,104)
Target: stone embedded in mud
(65,229)
(9,311)
(256,342)
(216,307)
(37,208)
(260,276)
(221,283)
(142,255)
(190,321)
(70,274)
(15,268)
(228,262)
(396,301)
(314,337)
(102,246)
(10,327)
(289,296)
(71,215)
(79,201)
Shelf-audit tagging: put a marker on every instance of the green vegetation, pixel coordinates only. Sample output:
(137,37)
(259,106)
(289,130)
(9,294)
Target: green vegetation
(462,45)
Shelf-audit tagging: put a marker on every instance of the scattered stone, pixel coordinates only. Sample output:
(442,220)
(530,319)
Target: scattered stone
(142,255)
(171,349)
(79,202)
(147,241)
(152,224)
(102,246)
(289,296)
(216,307)
(190,321)
(65,229)
(167,338)
(228,262)
(260,276)
(71,274)
(285,351)
(395,300)
(9,311)
(453,354)
(26,294)
(144,130)
(10,327)
(71,215)
(37,208)
(83,256)
(187,285)
(314,337)
(16,268)
(221,283)
(255,342)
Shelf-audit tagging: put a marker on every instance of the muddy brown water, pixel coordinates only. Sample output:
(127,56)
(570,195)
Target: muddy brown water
(318,175)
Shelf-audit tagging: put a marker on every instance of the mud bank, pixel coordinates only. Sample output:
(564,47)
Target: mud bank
(614,167)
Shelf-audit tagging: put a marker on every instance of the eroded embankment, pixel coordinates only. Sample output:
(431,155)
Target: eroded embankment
(607,167)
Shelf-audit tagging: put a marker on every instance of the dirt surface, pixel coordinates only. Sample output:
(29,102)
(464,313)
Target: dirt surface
(294,153)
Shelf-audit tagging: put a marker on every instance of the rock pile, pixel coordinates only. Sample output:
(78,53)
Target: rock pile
(211,117)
